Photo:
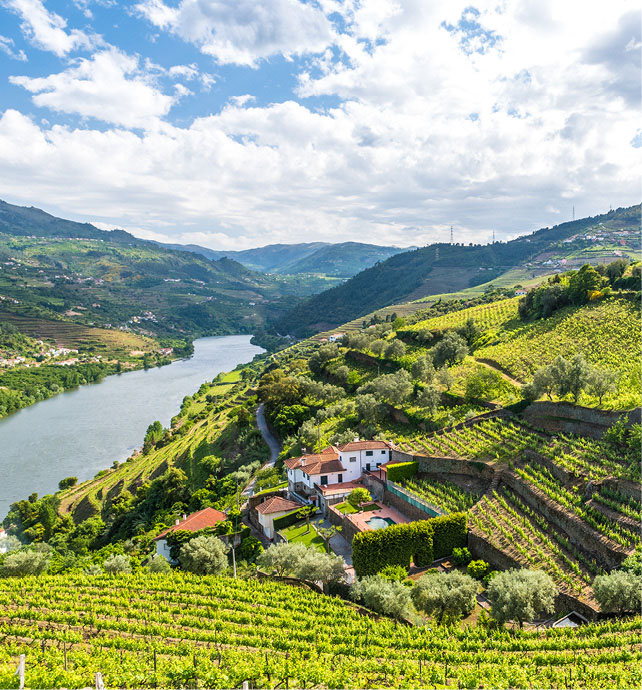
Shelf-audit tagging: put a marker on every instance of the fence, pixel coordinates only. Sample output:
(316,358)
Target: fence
(415,501)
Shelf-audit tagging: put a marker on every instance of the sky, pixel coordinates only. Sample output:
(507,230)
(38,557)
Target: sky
(239,123)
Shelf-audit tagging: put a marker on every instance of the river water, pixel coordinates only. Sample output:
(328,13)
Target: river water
(82,431)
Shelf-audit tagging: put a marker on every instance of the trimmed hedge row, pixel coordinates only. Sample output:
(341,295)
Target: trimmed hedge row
(287,519)
(420,542)
(402,470)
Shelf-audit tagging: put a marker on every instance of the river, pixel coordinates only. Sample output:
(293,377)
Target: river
(84,430)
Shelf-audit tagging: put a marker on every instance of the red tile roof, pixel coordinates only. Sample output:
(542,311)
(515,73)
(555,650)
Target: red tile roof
(208,517)
(277,504)
(365,445)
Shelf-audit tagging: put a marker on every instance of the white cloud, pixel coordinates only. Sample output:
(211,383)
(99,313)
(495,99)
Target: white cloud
(244,31)
(110,86)
(7,47)
(48,30)
(437,125)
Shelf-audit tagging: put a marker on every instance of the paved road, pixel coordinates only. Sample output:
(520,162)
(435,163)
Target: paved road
(269,438)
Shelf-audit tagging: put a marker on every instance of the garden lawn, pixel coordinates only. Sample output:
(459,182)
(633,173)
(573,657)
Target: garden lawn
(297,533)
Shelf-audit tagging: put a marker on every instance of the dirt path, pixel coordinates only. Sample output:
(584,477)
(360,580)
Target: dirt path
(493,367)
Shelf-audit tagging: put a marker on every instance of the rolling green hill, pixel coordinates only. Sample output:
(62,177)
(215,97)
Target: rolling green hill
(444,268)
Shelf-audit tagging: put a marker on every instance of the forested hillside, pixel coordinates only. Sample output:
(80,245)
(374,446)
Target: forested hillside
(444,268)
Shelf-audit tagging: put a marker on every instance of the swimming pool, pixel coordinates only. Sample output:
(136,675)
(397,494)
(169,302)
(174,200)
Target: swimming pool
(380,522)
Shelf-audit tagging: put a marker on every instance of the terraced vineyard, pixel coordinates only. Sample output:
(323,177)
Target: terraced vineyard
(524,347)
(442,494)
(505,521)
(489,439)
(486,316)
(626,506)
(573,500)
(176,631)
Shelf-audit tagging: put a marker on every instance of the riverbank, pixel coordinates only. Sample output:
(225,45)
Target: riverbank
(83,431)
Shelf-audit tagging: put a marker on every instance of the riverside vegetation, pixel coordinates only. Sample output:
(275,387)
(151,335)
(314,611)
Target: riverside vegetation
(428,385)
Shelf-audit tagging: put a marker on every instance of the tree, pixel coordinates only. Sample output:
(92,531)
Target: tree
(470,331)
(326,533)
(393,388)
(358,496)
(315,566)
(67,483)
(484,384)
(445,378)
(290,417)
(383,595)
(117,563)
(616,269)
(521,595)
(573,376)
(159,564)
(582,283)
(377,347)
(429,398)
(282,559)
(601,382)
(423,369)
(618,592)
(445,594)
(369,408)
(342,374)
(449,350)
(544,381)
(395,349)
(153,435)
(204,556)
(25,562)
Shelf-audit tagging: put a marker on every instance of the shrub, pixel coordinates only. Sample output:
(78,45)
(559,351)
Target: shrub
(67,483)
(449,532)
(402,470)
(396,573)
(94,569)
(204,556)
(249,549)
(117,563)
(477,569)
(489,577)
(461,556)
(287,520)
(27,562)
(358,496)
(159,564)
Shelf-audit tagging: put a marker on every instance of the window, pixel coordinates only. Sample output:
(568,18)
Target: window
(353,459)
(369,452)
(324,480)
(340,479)
(378,464)
(383,452)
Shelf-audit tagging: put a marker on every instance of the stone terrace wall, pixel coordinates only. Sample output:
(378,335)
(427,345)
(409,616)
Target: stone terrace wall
(579,533)
(563,417)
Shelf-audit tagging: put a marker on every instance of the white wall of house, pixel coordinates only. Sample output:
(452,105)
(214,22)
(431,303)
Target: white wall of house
(162,548)
(356,461)
(267,522)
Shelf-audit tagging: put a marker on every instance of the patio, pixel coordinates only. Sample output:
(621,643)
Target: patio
(360,520)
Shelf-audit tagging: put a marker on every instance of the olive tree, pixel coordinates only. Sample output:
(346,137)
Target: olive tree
(393,388)
(601,382)
(25,562)
(429,398)
(369,408)
(395,349)
(618,592)
(315,566)
(450,595)
(204,556)
(452,348)
(423,369)
(521,595)
(117,563)
(282,558)
(383,595)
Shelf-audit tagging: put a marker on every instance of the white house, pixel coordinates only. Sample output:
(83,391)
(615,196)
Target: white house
(334,465)
(208,517)
(271,509)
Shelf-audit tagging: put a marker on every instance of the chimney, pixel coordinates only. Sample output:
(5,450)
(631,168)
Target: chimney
(304,450)
(184,516)
(356,439)
(177,521)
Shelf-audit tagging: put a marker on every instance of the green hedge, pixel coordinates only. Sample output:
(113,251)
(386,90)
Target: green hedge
(286,520)
(402,470)
(420,542)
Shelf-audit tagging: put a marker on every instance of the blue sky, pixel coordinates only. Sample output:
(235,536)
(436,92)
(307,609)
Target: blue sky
(237,123)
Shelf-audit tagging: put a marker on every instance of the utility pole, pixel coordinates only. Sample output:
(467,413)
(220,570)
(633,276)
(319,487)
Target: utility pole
(493,237)
(451,234)
(573,211)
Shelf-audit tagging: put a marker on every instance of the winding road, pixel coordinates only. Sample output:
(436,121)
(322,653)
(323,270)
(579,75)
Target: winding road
(270,439)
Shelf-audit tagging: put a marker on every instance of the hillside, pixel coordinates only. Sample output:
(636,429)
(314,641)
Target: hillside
(341,260)
(218,633)
(444,268)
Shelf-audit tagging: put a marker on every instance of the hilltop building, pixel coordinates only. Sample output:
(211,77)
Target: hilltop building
(208,517)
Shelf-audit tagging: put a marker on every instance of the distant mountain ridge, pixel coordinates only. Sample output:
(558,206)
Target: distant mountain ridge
(440,268)
(342,260)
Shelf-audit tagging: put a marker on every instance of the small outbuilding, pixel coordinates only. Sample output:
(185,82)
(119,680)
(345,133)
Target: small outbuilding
(271,509)
(208,517)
